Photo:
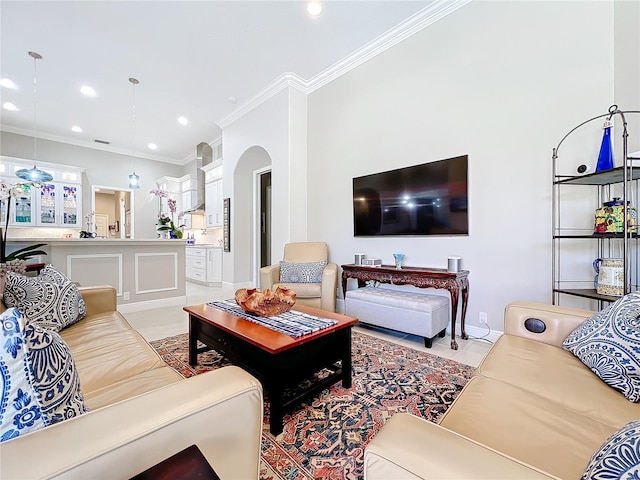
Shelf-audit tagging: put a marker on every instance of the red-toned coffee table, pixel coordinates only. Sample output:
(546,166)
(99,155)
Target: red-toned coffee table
(277,360)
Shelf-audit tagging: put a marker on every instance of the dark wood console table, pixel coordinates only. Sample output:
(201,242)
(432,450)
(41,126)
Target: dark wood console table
(455,282)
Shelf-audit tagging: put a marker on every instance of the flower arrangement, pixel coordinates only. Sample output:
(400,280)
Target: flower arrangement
(7,193)
(88,233)
(165,223)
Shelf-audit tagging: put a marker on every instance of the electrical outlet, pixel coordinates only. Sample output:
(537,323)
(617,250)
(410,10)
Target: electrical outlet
(126,296)
(482,318)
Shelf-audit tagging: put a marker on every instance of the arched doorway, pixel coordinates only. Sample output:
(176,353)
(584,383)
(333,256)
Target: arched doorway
(248,207)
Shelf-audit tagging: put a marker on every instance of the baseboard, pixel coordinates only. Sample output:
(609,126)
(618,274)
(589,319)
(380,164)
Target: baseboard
(151,304)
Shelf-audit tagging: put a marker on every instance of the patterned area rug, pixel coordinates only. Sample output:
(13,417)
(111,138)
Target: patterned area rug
(326,437)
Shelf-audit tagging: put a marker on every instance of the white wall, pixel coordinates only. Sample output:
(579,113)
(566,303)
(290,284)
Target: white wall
(266,126)
(102,168)
(499,81)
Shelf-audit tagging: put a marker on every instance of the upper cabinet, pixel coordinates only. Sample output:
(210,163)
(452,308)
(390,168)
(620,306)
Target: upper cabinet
(213,194)
(57,203)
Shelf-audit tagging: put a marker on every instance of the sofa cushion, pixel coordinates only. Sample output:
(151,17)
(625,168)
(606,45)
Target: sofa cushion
(608,342)
(301,272)
(517,423)
(618,457)
(108,351)
(546,370)
(50,299)
(40,384)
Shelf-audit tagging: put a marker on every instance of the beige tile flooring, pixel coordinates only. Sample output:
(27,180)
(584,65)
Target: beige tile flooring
(159,323)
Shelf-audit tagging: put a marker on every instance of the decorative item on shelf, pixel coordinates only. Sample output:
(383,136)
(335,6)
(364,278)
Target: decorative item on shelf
(609,276)
(610,218)
(134,180)
(605,157)
(34,174)
(266,303)
(358,258)
(398,258)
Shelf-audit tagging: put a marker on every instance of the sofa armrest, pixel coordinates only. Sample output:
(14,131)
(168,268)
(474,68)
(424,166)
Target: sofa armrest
(409,447)
(219,411)
(558,321)
(269,276)
(329,285)
(99,299)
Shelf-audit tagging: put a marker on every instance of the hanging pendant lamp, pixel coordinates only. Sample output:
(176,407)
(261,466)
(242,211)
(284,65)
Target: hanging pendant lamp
(34,174)
(134,180)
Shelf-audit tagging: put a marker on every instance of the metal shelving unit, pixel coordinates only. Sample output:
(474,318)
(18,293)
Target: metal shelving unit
(626,176)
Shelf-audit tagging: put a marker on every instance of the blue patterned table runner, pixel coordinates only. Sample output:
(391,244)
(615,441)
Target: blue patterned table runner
(292,323)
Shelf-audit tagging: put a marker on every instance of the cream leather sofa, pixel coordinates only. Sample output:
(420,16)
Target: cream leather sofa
(141,410)
(319,295)
(532,410)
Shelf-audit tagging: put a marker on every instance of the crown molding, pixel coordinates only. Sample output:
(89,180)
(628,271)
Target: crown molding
(279,84)
(91,145)
(412,25)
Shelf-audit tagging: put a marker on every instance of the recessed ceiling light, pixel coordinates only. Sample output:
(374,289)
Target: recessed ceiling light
(10,106)
(182,120)
(232,100)
(88,91)
(76,129)
(314,8)
(153,146)
(7,83)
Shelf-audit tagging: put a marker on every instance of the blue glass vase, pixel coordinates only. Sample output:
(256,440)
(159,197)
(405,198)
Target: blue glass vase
(605,157)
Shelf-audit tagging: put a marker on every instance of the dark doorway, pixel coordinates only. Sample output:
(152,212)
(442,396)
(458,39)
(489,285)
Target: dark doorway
(265,219)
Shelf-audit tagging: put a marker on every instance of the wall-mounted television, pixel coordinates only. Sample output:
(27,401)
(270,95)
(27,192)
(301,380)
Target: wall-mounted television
(426,199)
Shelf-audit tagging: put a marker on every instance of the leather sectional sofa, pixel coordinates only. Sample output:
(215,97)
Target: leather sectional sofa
(141,410)
(532,410)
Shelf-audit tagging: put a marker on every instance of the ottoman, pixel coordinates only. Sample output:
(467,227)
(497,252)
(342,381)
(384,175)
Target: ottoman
(415,313)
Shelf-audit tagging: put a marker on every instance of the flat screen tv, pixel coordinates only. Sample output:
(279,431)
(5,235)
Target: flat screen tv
(426,199)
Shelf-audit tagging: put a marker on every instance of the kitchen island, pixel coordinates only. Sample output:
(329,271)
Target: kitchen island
(145,273)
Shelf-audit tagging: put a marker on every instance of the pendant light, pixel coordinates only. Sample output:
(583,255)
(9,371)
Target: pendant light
(134,180)
(34,174)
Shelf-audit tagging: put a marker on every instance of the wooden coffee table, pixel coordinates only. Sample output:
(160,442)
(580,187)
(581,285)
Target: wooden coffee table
(277,360)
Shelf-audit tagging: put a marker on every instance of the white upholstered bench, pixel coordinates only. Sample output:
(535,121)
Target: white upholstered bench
(415,313)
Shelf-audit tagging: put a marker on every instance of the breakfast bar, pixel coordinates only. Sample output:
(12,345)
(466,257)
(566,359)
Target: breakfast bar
(139,270)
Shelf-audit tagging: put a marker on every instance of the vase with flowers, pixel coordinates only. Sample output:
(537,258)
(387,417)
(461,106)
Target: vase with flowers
(16,260)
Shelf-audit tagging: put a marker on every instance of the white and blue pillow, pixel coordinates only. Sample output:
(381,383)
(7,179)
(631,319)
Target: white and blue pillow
(619,456)
(609,344)
(50,299)
(40,384)
(301,272)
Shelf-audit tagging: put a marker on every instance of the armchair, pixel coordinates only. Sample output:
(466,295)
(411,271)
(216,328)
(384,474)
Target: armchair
(320,295)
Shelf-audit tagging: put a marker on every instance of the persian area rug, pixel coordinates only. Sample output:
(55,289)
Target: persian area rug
(326,437)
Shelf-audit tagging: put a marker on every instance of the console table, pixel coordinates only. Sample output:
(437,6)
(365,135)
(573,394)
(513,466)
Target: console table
(456,282)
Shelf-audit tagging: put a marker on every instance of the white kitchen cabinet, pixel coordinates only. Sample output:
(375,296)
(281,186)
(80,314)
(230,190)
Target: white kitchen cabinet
(213,204)
(58,205)
(204,264)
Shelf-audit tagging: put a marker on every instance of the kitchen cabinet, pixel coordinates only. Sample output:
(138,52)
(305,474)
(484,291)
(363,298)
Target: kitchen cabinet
(213,204)
(204,264)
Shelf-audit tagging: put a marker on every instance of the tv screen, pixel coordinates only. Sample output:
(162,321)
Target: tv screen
(426,199)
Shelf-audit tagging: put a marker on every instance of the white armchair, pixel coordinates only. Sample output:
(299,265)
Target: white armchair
(298,257)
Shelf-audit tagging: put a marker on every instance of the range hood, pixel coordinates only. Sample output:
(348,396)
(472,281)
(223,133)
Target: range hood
(204,156)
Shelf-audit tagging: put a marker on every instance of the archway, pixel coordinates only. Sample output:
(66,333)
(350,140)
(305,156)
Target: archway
(246,218)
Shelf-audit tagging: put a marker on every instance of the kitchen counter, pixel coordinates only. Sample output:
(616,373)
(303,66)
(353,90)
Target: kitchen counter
(141,270)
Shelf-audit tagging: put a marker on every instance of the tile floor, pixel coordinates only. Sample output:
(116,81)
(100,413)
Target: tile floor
(159,323)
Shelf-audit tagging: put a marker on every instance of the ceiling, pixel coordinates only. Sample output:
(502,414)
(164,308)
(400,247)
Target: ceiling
(190,58)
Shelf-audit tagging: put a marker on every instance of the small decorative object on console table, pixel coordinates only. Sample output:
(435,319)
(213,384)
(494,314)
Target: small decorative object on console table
(267,303)
(455,282)
(398,257)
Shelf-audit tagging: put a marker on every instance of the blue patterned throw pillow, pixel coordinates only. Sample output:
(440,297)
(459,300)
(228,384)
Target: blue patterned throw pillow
(609,344)
(619,456)
(40,384)
(50,299)
(301,272)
